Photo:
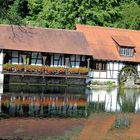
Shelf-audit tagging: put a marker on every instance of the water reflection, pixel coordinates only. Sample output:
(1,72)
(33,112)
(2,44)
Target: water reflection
(43,101)
(115,100)
(47,105)
(106,97)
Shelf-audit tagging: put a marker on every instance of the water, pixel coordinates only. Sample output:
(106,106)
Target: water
(43,101)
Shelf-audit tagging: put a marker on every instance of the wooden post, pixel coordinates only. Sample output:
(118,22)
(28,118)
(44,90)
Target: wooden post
(24,58)
(88,63)
(44,59)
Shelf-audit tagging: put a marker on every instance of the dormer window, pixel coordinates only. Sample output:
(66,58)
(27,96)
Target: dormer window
(125,45)
(126,51)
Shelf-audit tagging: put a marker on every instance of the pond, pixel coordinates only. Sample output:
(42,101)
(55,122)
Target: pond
(65,101)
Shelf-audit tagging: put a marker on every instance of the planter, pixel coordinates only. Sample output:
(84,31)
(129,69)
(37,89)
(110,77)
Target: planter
(45,70)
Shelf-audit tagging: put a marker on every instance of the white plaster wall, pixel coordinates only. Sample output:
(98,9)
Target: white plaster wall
(111,74)
(139,70)
(115,74)
(1,75)
(1,60)
(116,65)
(138,67)
(121,65)
(96,74)
(103,74)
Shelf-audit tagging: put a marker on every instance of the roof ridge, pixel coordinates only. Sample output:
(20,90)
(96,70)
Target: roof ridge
(42,28)
(107,28)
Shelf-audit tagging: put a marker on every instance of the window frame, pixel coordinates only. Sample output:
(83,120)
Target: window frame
(100,66)
(127,52)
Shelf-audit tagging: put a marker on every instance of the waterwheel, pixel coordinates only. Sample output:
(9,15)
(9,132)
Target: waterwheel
(127,73)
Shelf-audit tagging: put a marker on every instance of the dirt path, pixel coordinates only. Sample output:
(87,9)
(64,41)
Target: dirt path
(131,133)
(37,127)
(97,127)
(135,126)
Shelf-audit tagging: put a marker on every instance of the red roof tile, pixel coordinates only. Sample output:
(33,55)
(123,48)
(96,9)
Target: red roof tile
(104,47)
(43,40)
(123,41)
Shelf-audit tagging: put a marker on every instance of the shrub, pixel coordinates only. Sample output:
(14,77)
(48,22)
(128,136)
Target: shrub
(122,121)
(95,82)
(109,83)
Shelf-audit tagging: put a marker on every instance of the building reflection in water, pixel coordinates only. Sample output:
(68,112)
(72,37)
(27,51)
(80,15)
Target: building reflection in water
(115,100)
(106,97)
(1,88)
(47,105)
(67,102)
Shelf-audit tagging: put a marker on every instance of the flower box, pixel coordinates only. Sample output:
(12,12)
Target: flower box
(83,71)
(45,69)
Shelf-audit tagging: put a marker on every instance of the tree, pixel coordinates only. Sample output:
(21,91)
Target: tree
(66,13)
(130,16)
(13,11)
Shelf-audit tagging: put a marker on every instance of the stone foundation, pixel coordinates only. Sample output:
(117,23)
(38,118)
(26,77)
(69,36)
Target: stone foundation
(31,80)
(44,89)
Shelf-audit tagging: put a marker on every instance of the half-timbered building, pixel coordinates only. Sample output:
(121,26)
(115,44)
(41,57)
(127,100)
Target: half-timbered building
(116,52)
(109,53)
(42,47)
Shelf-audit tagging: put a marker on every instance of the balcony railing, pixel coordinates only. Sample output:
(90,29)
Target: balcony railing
(44,70)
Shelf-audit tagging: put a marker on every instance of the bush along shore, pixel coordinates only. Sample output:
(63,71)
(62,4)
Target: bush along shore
(99,84)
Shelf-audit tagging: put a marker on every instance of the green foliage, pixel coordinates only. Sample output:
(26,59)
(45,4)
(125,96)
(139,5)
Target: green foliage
(67,13)
(14,12)
(130,16)
(122,121)
(109,84)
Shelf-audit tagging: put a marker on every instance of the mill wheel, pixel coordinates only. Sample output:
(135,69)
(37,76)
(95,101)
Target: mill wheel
(127,72)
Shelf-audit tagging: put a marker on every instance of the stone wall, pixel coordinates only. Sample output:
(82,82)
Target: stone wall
(39,89)
(43,80)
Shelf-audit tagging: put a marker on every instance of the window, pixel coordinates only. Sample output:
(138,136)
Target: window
(126,52)
(99,65)
(35,58)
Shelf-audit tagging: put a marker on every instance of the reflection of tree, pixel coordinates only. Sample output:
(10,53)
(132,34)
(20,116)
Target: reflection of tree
(127,101)
(128,105)
(96,107)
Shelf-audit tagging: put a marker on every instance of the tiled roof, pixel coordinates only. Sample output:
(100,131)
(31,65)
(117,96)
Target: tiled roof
(104,46)
(123,41)
(43,40)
